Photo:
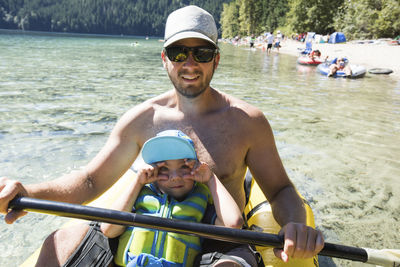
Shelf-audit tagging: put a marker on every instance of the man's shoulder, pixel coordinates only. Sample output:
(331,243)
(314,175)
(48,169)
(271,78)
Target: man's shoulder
(246,116)
(150,105)
(239,105)
(142,114)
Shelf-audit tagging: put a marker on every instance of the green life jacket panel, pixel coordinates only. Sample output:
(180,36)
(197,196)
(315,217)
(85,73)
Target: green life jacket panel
(176,248)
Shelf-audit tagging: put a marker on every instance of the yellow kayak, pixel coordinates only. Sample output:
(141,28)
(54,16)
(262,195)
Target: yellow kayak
(258,212)
(259,216)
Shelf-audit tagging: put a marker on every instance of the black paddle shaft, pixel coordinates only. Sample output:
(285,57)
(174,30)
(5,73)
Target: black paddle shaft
(172,225)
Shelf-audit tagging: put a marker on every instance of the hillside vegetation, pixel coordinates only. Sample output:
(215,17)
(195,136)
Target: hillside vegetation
(130,17)
(356,18)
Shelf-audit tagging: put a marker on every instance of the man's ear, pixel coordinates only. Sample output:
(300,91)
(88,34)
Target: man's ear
(163,58)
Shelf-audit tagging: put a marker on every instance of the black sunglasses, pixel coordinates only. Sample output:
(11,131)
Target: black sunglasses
(181,53)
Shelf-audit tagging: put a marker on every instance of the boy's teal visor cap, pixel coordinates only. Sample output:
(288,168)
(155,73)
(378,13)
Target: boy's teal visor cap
(168,145)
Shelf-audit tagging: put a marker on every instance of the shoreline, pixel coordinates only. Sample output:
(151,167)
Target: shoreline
(369,55)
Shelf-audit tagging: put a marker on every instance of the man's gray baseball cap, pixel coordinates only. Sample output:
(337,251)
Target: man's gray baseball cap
(190,22)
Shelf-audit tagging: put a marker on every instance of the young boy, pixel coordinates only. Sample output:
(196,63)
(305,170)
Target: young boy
(314,54)
(172,184)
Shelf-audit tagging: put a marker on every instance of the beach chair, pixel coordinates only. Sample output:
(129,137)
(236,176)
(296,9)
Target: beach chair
(308,49)
(309,39)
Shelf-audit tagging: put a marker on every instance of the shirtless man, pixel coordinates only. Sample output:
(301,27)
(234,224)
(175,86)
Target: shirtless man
(229,135)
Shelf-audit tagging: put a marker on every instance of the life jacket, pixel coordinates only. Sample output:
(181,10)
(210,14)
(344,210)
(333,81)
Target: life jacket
(139,244)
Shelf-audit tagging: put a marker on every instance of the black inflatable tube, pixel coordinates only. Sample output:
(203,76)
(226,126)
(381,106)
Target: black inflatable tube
(380,71)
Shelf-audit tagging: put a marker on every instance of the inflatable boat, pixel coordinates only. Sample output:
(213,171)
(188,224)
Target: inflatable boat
(357,71)
(305,60)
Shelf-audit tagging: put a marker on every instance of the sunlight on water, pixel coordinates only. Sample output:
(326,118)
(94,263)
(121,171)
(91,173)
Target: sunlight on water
(61,96)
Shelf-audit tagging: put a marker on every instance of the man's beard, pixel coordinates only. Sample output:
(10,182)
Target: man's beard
(189,93)
(186,91)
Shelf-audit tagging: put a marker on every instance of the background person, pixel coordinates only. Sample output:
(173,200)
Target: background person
(252,41)
(340,64)
(314,54)
(278,40)
(270,41)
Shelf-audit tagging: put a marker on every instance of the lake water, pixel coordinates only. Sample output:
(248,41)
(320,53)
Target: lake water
(339,139)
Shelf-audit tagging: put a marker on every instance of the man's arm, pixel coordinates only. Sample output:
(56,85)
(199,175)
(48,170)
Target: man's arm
(86,184)
(287,207)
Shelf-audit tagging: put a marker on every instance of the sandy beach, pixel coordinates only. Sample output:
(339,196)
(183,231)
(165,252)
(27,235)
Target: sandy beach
(370,56)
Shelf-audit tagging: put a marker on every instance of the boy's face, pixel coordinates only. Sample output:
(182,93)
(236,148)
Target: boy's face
(175,178)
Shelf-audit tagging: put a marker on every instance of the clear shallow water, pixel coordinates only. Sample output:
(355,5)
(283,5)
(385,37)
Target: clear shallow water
(338,139)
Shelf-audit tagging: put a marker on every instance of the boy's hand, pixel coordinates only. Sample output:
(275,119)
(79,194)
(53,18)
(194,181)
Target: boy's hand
(201,172)
(150,173)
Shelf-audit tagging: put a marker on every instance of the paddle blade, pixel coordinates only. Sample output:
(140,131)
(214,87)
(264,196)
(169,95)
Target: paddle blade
(384,257)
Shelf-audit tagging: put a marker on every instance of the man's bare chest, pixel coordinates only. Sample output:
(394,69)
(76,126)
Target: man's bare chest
(220,148)
(219,138)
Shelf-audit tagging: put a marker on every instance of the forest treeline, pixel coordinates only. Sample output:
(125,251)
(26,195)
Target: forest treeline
(128,17)
(360,19)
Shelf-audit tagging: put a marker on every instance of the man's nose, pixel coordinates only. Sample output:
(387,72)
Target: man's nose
(190,60)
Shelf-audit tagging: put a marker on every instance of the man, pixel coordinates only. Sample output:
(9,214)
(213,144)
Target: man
(229,135)
(252,41)
(340,64)
(270,41)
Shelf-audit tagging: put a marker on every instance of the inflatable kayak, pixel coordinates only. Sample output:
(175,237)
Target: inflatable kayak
(258,213)
(259,216)
(357,71)
(305,60)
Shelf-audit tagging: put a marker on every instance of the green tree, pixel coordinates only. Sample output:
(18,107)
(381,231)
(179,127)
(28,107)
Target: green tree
(133,17)
(229,19)
(388,23)
(354,19)
(312,15)
(246,17)
(274,14)
(250,17)
(360,19)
